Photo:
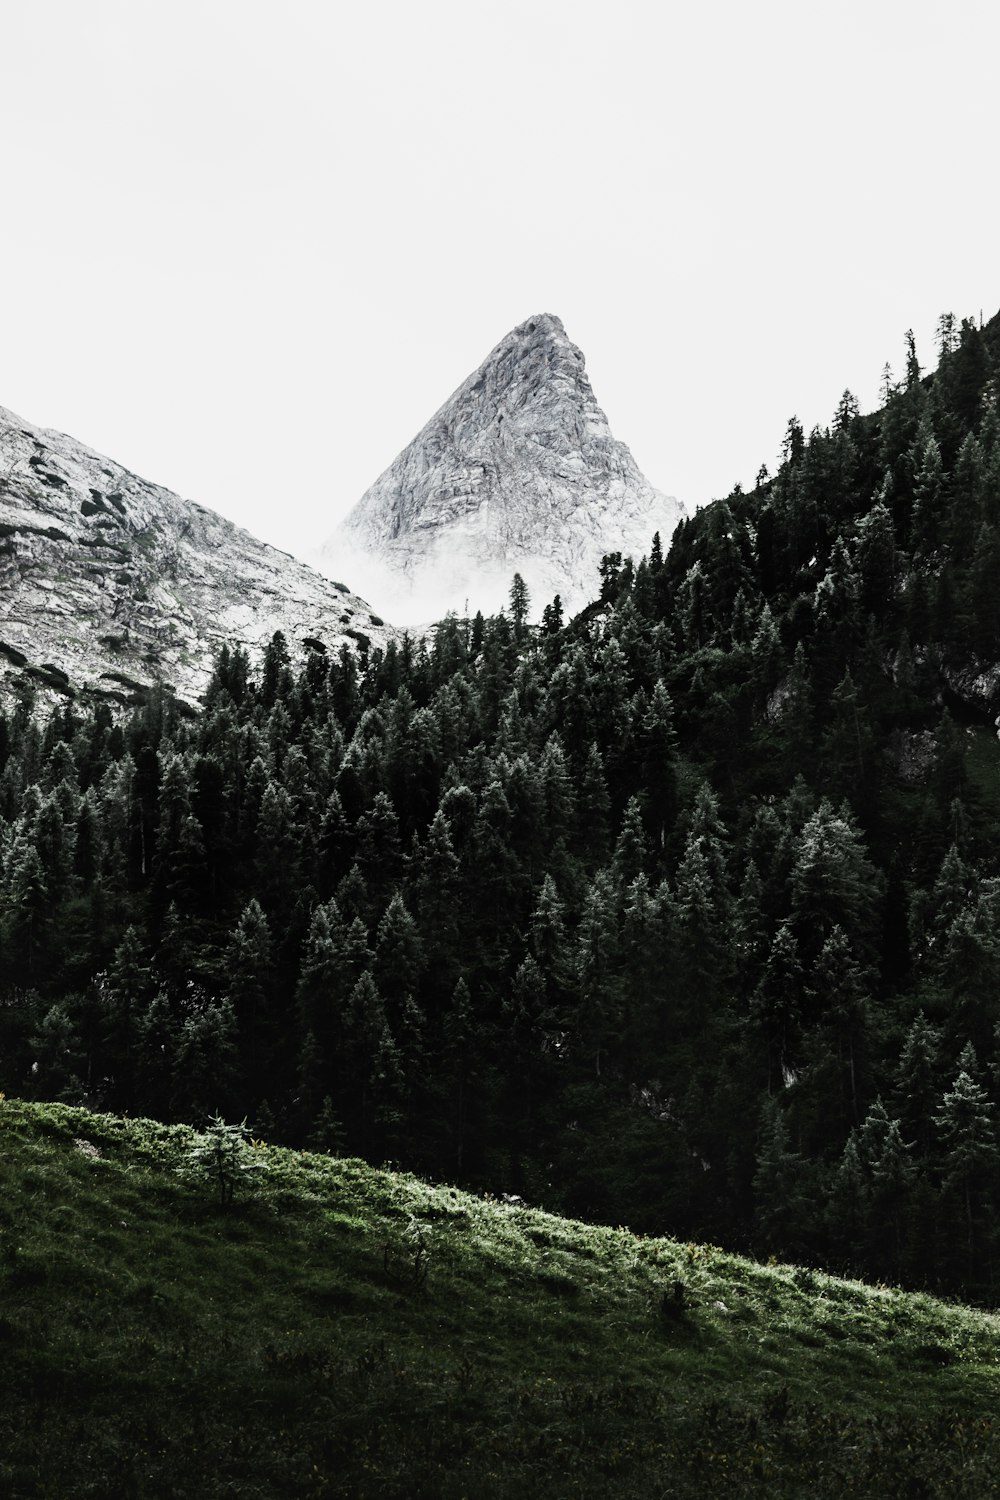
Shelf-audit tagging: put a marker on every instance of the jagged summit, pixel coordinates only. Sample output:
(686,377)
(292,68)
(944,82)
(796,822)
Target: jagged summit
(109,583)
(518,470)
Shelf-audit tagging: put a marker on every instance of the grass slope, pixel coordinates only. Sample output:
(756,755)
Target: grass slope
(153,1344)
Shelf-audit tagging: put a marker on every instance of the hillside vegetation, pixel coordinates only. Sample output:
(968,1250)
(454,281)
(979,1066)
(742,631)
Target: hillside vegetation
(343,1330)
(684,913)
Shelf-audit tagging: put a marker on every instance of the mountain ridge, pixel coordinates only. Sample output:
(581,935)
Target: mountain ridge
(111,583)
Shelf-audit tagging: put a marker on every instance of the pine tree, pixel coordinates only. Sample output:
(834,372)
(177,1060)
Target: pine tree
(311,1080)
(775,1008)
(498,878)
(966,1124)
(324,982)
(205,1060)
(54,844)
(848,751)
(559,801)
(839,1005)
(779,1186)
(378,848)
(569,705)
(249,968)
(592,811)
(158,1030)
(597,972)
(334,844)
(928,495)
(88,850)
(548,934)
(766,656)
(659,766)
(224,1156)
(750,929)
(877,561)
(352,897)
(704,908)
(630,848)
(523,1013)
(552,617)
(387,1087)
(26,910)
(913,370)
(276,679)
(519,606)
(846,1205)
(326,1133)
(57,1056)
(125,992)
(399,958)
(916,1083)
(459,1068)
(276,862)
(834,884)
(889,1180)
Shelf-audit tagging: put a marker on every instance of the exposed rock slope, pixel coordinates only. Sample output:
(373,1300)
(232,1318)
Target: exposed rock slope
(108,582)
(518,471)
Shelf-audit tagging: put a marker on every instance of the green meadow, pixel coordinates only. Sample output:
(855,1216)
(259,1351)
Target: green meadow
(342,1330)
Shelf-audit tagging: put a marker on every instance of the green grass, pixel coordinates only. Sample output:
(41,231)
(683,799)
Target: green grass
(354,1332)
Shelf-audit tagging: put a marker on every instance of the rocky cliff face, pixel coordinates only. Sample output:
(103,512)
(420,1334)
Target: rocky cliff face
(518,471)
(109,583)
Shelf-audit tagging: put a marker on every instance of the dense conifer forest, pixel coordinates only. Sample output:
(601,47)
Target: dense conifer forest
(682,914)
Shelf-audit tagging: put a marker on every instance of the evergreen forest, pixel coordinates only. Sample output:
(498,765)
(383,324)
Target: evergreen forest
(683,914)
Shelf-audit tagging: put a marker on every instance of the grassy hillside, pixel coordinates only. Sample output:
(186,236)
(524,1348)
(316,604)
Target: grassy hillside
(346,1331)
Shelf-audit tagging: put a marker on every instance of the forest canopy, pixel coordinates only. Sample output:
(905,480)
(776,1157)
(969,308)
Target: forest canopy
(684,913)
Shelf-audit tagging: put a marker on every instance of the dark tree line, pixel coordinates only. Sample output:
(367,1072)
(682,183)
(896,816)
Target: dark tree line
(683,913)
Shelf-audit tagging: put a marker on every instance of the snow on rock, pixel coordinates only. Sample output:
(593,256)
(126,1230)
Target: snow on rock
(109,583)
(518,471)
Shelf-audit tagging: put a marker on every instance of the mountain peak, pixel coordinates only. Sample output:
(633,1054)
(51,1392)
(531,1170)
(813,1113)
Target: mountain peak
(534,361)
(542,323)
(517,471)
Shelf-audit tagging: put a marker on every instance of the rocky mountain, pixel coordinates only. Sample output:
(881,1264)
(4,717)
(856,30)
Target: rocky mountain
(518,471)
(109,583)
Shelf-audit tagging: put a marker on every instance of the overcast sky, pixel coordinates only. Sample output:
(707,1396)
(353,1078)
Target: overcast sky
(247,249)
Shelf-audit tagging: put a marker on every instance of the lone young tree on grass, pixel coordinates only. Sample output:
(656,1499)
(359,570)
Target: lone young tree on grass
(223,1156)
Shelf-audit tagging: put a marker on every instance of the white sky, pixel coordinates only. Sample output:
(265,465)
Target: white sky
(247,249)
